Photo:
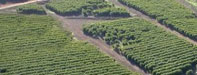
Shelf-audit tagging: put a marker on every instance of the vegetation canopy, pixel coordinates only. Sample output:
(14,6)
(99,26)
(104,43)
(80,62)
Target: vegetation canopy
(36,45)
(168,12)
(31,9)
(98,8)
(152,48)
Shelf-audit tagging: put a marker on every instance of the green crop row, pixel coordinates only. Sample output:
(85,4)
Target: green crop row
(84,7)
(168,12)
(35,45)
(31,9)
(152,48)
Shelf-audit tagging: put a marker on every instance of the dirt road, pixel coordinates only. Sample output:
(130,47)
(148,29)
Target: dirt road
(141,15)
(17,4)
(75,26)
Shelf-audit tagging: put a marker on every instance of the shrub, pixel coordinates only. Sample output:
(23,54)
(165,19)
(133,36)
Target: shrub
(86,8)
(31,9)
(190,72)
(111,12)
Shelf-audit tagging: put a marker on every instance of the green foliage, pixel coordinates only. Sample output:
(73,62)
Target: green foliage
(193,2)
(190,72)
(168,12)
(72,7)
(184,26)
(159,52)
(160,9)
(84,7)
(35,45)
(31,9)
(111,12)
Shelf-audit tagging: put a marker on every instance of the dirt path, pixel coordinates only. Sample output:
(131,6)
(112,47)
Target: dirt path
(17,4)
(141,15)
(75,26)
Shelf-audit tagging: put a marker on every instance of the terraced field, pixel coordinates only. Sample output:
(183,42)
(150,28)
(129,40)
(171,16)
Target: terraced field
(159,52)
(36,45)
(168,12)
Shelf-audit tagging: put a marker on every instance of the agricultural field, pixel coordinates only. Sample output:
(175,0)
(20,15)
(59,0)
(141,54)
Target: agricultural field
(86,8)
(116,12)
(97,37)
(152,48)
(34,44)
(31,9)
(168,12)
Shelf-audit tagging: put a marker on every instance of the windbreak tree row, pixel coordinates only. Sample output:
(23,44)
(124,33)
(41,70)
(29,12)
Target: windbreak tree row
(168,12)
(35,45)
(152,48)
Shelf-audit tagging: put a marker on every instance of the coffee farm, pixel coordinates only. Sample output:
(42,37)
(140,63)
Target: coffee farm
(98,37)
(152,48)
(86,8)
(168,12)
(36,45)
